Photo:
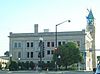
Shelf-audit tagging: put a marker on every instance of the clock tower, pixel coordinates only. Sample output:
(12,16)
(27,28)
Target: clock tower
(91,28)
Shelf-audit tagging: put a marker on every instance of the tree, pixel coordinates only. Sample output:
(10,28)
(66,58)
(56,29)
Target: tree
(49,66)
(32,65)
(13,66)
(98,59)
(23,66)
(27,65)
(70,54)
(6,53)
(19,65)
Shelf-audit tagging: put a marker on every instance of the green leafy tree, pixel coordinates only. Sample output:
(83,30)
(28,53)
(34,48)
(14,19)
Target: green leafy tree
(23,65)
(19,65)
(27,65)
(69,53)
(6,53)
(32,65)
(98,58)
(49,66)
(13,66)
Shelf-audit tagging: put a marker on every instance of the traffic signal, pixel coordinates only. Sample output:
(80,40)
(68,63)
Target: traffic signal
(43,50)
(39,54)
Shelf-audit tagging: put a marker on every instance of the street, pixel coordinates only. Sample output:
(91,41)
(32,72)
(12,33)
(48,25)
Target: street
(45,72)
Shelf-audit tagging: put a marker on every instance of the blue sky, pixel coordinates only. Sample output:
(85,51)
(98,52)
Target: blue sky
(19,16)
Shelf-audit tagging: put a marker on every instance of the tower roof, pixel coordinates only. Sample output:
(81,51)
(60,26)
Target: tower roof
(90,15)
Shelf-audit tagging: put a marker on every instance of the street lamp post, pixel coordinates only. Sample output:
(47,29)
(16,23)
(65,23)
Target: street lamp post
(59,57)
(56,39)
(19,67)
(41,49)
(18,59)
(10,58)
(10,61)
(56,31)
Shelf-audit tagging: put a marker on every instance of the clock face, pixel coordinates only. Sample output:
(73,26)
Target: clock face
(90,21)
(91,30)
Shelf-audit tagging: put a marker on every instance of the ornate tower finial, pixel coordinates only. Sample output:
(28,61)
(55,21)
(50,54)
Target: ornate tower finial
(90,17)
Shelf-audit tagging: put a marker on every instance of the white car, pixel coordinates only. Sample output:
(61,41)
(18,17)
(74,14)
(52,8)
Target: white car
(97,69)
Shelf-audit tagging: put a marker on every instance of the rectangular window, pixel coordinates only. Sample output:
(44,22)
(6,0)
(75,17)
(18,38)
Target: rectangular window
(19,54)
(31,54)
(78,43)
(19,45)
(31,44)
(48,52)
(48,61)
(52,44)
(27,44)
(59,43)
(52,51)
(48,44)
(15,45)
(27,54)
(63,42)
(42,61)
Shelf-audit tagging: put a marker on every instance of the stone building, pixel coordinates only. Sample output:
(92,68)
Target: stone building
(26,45)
